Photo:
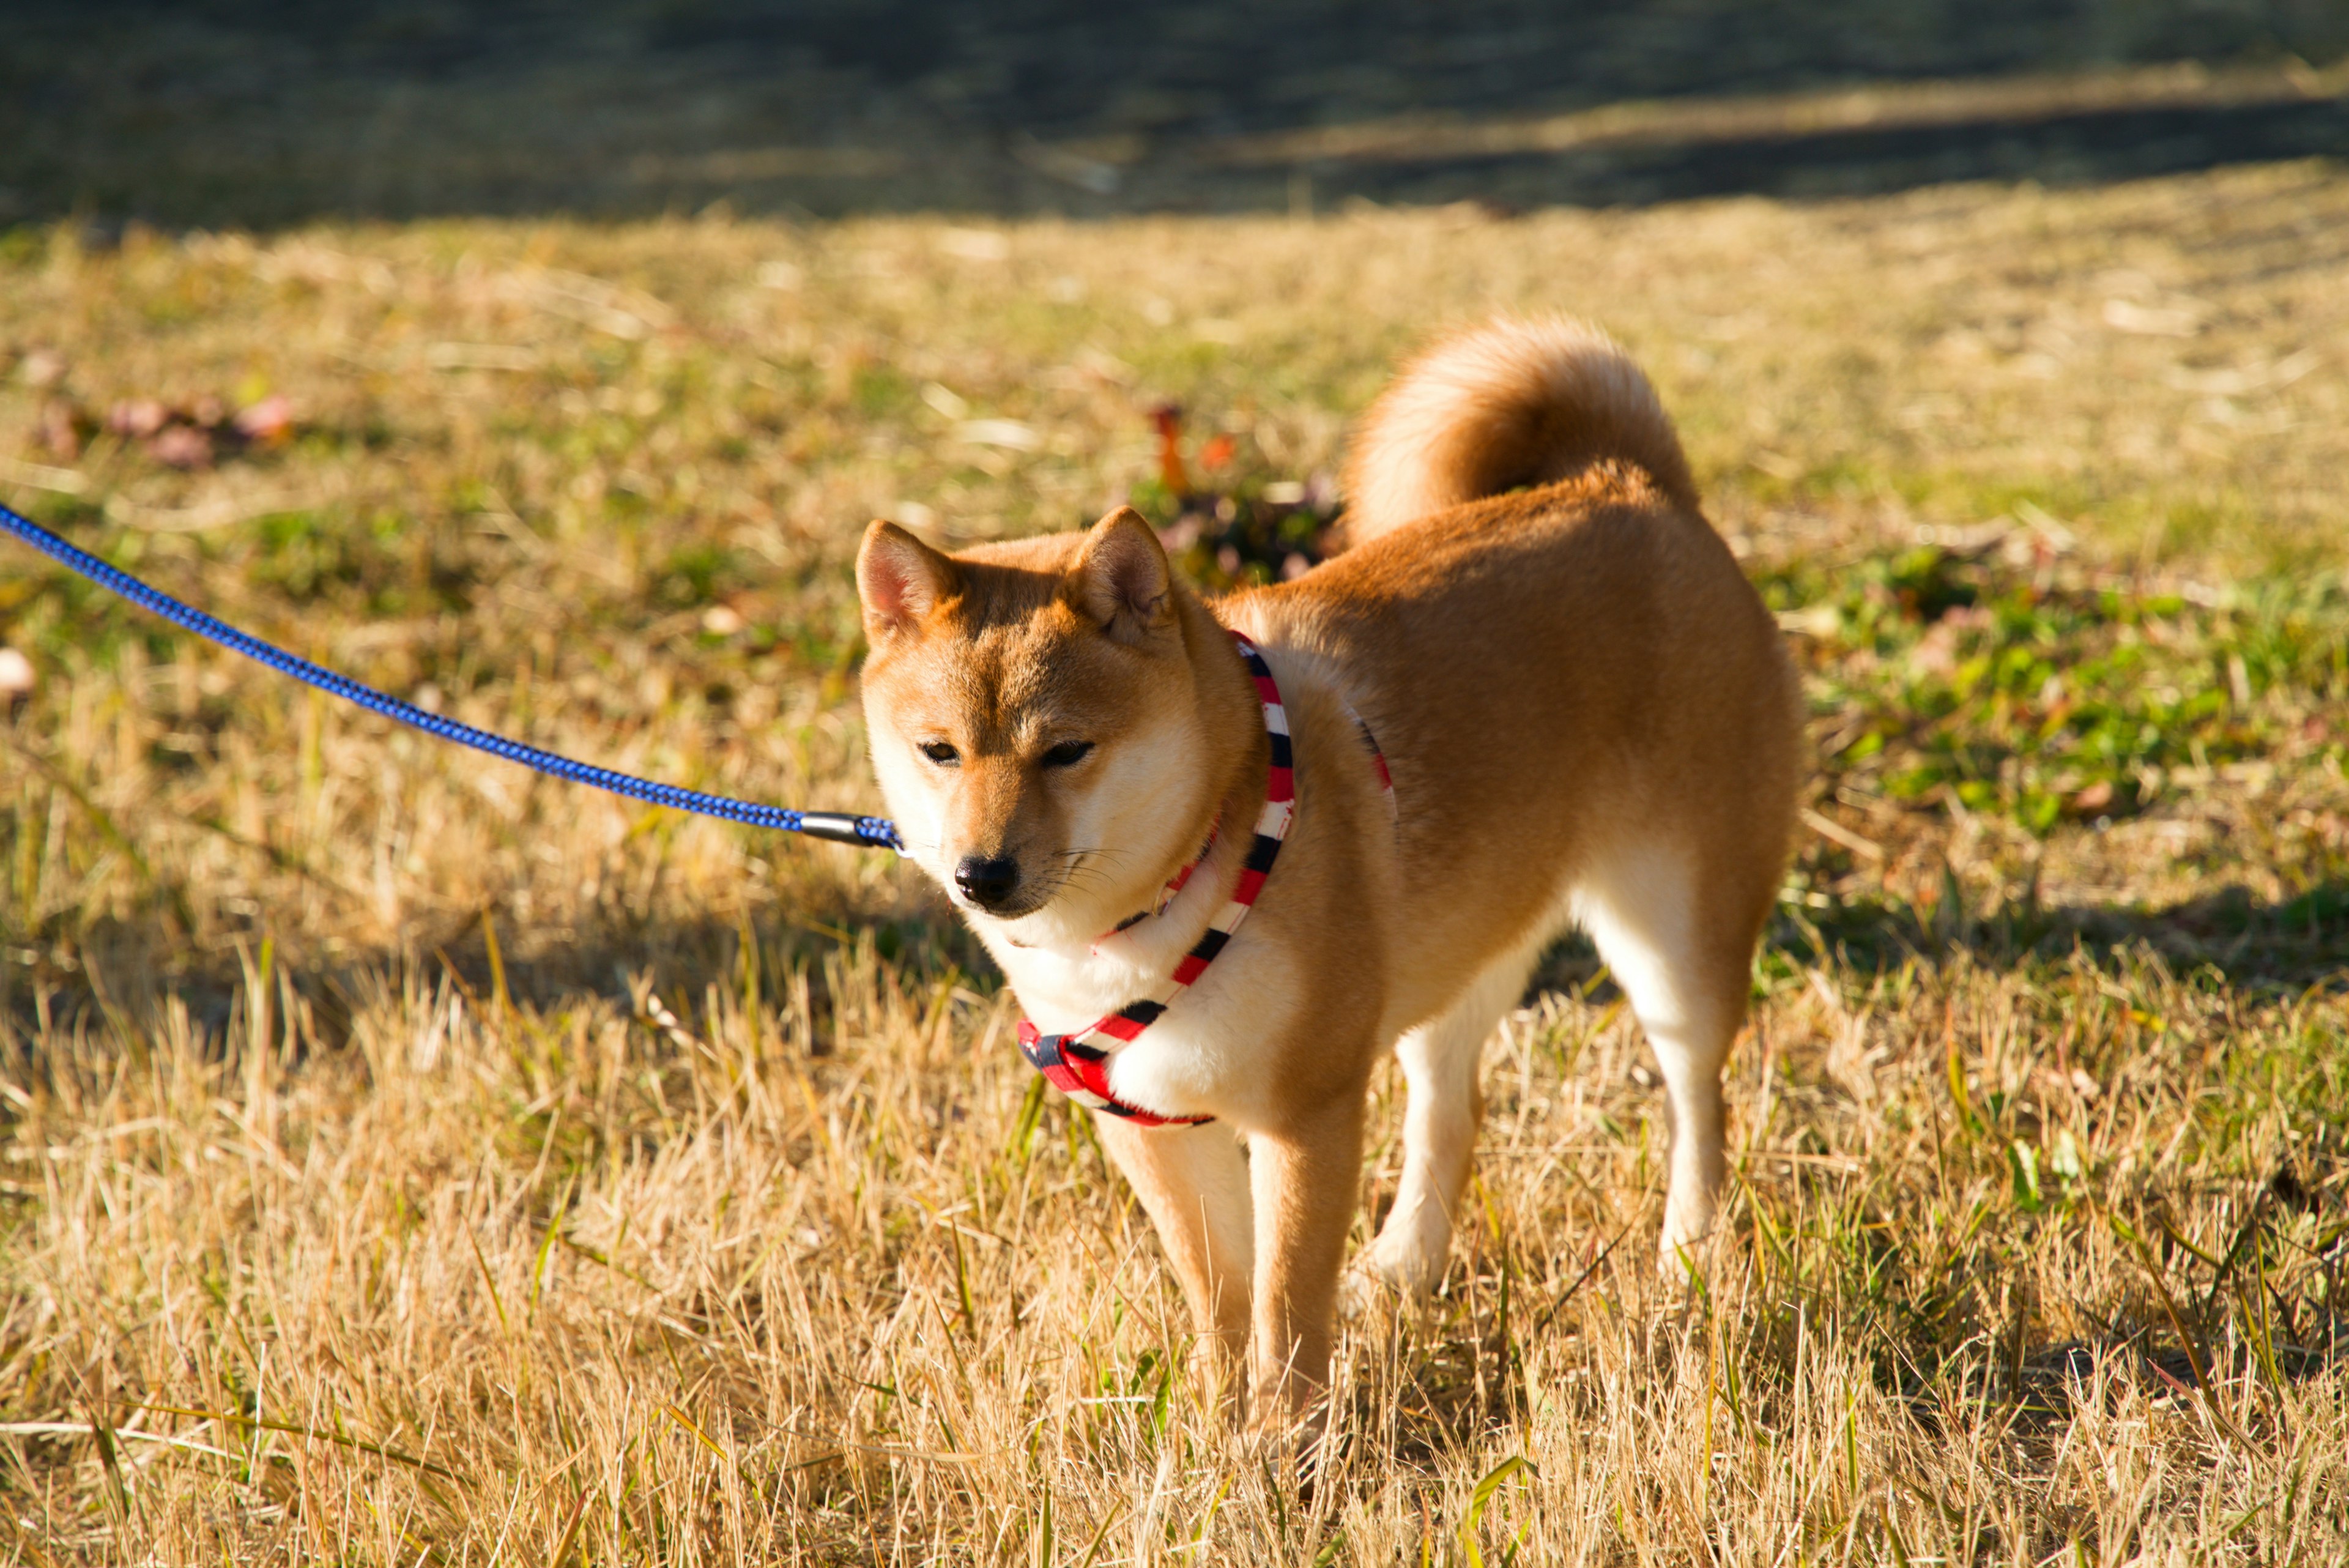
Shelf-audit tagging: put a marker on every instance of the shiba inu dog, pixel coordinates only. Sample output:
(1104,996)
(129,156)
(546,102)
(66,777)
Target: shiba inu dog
(1534,692)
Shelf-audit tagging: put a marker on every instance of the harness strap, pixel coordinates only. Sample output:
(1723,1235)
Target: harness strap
(1174,885)
(1077,1063)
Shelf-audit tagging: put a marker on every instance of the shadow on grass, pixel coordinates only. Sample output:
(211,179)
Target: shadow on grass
(123,975)
(1458,1369)
(2229,933)
(261,115)
(2056,148)
(127,970)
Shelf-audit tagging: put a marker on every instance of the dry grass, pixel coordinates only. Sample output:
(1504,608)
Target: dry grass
(407,1162)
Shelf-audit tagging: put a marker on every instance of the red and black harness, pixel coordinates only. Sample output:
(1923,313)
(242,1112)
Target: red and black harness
(1077,1063)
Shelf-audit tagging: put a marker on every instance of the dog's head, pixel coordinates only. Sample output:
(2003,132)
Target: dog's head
(1035,720)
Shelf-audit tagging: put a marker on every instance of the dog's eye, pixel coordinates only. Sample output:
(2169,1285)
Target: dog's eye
(945,755)
(1068,753)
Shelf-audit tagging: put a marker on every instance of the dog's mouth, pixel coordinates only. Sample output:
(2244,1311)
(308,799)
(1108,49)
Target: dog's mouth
(1002,896)
(1030,891)
(1013,908)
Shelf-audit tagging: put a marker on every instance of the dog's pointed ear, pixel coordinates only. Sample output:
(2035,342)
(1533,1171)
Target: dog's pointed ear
(900,579)
(1122,580)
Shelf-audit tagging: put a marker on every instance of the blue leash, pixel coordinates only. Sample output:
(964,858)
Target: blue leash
(839,826)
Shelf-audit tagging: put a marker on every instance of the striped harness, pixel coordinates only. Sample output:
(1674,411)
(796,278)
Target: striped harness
(1077,1063)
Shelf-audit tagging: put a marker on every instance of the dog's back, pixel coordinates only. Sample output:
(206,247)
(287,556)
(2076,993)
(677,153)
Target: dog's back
(1549,640)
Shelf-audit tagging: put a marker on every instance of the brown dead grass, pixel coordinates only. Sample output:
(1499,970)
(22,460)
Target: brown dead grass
(407,1162)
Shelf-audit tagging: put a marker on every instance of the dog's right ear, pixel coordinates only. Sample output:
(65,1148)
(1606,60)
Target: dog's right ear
(900,579)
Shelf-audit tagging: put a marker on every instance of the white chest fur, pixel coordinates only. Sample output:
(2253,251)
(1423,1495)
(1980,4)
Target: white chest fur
(1197,1057)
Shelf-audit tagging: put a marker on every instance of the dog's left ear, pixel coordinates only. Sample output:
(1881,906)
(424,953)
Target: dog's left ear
(1122,580)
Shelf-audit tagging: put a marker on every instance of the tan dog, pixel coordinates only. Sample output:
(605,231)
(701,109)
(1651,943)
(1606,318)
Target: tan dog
(1588,718)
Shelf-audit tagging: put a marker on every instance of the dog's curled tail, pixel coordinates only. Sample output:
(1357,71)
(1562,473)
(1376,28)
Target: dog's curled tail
(1515,402)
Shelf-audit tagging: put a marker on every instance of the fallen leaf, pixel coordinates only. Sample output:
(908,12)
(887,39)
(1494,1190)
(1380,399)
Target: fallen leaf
(1935,652)
(269,422)
(1008,433)
(42,369)
(1168,417)
(182,446)
(138,418)
(2152,320)
(975,244)
(62,430)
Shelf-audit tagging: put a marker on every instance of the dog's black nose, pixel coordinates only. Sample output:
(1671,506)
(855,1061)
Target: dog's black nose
(987,883)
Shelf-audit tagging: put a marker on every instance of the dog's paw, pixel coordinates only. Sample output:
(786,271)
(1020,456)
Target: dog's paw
(1299,1444)
(1690,1216)
(1363,1293)
(1683,1262)
(1385,1280)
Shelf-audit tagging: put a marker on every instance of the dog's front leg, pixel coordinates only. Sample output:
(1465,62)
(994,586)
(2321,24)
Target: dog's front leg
(1194,1185)
(1306,1175)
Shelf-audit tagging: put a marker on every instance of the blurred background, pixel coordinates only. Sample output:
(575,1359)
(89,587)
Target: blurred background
(213,113)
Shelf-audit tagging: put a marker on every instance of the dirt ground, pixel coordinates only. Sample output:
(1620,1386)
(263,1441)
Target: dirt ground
(260,115)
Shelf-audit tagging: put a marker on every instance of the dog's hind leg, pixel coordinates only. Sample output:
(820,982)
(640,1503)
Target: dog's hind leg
(1683,951)
(1440,1064)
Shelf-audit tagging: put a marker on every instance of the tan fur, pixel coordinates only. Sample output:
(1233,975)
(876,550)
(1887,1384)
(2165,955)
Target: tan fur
(1588,716)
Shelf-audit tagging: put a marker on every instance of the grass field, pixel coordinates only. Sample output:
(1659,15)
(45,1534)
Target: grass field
(404,1161)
